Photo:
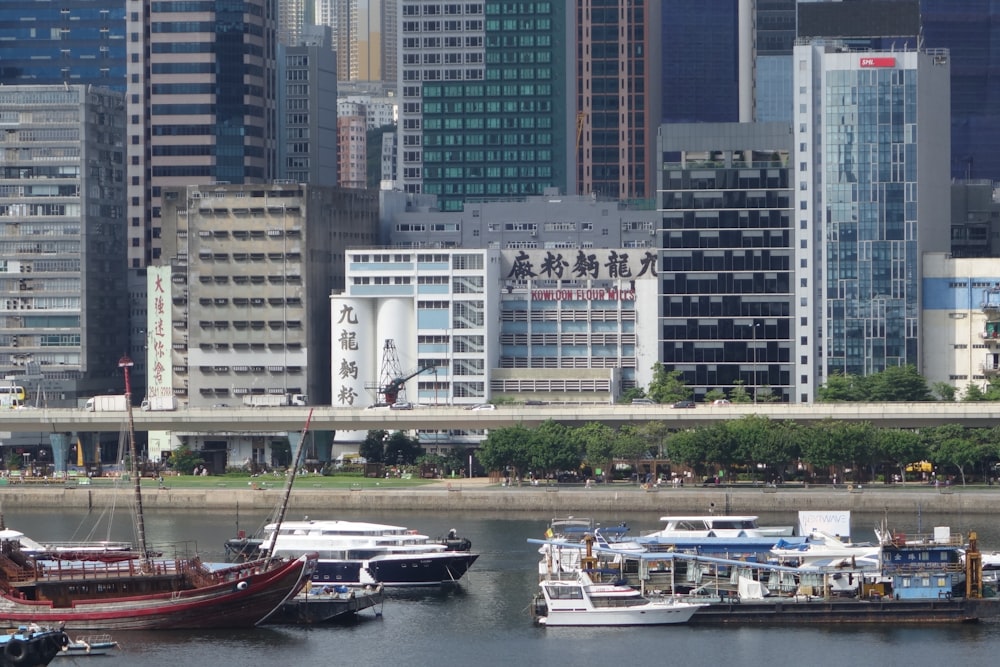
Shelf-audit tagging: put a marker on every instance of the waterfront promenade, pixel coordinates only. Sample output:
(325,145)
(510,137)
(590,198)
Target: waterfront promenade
(483,496)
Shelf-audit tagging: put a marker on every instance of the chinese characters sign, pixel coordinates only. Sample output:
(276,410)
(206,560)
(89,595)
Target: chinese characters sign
(352,337)
(580,264)
(159,368)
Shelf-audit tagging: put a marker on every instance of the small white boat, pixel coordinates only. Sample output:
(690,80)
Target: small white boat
(578,601)
(824,550)
(90,645)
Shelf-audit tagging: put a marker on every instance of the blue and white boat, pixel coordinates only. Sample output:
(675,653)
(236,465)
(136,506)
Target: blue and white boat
(360,553)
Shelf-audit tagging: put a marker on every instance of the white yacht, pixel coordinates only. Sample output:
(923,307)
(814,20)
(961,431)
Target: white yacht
(353,552)
(718,525)
(578,601)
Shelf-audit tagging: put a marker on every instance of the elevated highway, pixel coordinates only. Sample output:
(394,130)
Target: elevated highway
(239,419)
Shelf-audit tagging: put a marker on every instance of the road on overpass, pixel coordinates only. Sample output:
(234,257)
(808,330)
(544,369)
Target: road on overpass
(215,420)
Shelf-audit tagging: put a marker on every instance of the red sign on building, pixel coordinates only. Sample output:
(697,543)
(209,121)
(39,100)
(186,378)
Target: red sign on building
(878,62)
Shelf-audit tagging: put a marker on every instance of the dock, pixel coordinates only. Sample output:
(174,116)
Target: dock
(814,611)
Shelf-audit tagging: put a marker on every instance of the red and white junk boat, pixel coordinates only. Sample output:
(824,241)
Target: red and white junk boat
(145,592)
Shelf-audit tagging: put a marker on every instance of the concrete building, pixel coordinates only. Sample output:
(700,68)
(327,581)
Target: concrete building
(727,273)
(342,17)
(307,108)
(960,320)
(975,219)
(62,198)
(352,150)
(549,335)
(64,305)
(871,197)
(485,99)
(249,271)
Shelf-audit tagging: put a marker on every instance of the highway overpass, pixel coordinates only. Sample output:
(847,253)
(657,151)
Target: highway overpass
(239,419)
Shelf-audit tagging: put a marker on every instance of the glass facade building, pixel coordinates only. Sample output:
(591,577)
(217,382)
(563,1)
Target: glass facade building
(872,196)
(484,97)
(701,61)
(62,41)
(970,30)
(726,280)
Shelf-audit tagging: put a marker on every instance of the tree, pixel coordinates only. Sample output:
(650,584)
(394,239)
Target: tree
(667,386)
(739,394)
(839,387)
(401,449)
(183,460)
(900,447)
(944,391)
(896,383)
(714,395)
(373,447)
(596,441)
(551,448)
(506,449)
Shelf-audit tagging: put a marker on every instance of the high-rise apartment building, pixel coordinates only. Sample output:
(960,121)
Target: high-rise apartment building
(617,78)
(871,183)
(342,17)
(62,41)
(64,305)
(485,99)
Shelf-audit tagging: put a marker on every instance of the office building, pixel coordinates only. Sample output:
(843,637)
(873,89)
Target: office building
(307,108)
(617,79)
(63,42)
(64,319)
(201,104)
(485,99)
(727,271)
(871,197)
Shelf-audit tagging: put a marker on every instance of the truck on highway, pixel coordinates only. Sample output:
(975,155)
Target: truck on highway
(273,400)
(107,403)
(159,403)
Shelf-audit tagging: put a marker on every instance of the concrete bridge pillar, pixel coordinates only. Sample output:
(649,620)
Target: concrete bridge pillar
(60,450)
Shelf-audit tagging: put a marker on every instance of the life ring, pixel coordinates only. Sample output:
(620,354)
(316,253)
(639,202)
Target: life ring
(16,651)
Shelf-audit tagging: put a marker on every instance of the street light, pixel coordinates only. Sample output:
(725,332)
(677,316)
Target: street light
(756,369)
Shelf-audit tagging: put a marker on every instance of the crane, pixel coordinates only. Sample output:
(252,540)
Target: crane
(391,389)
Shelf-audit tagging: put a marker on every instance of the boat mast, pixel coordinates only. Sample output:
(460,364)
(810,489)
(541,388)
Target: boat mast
(140,527)
(288,488)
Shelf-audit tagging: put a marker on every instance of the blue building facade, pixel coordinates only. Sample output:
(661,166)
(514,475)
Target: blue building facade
(62,41)
(970,30)
(701,61)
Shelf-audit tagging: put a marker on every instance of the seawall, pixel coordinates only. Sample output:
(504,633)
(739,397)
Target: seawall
(479,497)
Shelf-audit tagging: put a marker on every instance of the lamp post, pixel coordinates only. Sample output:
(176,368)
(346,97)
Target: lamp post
(755,360)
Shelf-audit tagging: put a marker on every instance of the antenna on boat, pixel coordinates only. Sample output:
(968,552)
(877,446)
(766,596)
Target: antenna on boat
(140,527)
(288,488)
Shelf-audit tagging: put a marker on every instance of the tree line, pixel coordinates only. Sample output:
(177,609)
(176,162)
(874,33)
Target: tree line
(754,447)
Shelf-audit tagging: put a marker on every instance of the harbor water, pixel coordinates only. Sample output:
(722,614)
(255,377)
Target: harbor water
(484,621)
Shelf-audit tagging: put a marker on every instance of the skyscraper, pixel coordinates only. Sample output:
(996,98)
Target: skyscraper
(62,41)
(617,73)
(485,95)
(201,103)
(64,305)
(872,195)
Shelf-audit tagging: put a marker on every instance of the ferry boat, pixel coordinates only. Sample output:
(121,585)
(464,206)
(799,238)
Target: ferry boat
(360,553)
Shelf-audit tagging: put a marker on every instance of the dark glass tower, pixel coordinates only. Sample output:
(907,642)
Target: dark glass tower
(970,30)
(65,41)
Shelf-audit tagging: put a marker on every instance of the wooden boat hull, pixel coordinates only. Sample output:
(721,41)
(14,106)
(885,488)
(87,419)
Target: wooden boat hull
(31,648)
(238,603)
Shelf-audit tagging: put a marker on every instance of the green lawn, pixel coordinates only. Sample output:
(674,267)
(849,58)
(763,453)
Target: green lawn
(271,482)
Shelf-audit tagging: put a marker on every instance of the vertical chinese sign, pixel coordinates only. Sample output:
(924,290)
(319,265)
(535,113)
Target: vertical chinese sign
(353,331)
(159,368)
